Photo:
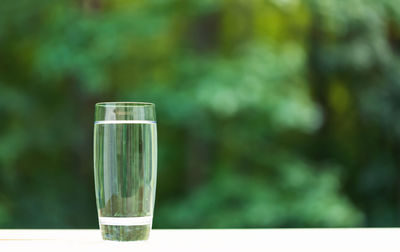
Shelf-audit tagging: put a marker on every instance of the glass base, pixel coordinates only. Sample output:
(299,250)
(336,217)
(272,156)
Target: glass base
(125,233)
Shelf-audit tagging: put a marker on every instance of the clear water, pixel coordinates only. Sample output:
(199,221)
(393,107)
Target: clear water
(125,167)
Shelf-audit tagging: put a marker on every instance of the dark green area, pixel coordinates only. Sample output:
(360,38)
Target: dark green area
(276,113)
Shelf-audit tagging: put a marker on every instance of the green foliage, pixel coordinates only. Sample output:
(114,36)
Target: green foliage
(294,195)
(270,113)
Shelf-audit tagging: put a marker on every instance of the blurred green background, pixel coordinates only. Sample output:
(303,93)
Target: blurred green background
(281,113)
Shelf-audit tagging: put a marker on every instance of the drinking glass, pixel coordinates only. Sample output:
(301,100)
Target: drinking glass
(125,169)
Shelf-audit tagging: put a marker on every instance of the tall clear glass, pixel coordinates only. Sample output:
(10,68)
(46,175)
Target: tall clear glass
(125,169)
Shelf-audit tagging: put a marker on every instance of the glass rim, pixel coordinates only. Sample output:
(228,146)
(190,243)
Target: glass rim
(124,104)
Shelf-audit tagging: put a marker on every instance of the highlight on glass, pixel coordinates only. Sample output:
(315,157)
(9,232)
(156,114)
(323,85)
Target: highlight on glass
(125,169)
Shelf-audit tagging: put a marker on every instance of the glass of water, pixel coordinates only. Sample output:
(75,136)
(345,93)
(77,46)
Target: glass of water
(125,169)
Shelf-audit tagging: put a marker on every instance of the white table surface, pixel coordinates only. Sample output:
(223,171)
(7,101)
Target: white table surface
(206,240)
